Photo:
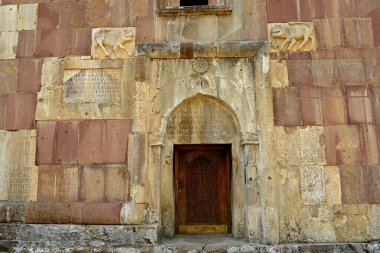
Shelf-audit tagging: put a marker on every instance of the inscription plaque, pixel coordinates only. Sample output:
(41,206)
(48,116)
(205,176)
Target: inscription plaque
(22,183)
(201,119)
(92,86)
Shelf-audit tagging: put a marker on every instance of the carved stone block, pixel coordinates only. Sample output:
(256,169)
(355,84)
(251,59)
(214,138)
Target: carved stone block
(113,43)
(291,37)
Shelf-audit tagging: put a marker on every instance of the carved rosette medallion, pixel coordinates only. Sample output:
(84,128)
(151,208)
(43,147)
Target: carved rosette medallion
(201,65)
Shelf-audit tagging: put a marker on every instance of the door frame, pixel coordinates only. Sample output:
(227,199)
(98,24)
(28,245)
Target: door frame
(228,150)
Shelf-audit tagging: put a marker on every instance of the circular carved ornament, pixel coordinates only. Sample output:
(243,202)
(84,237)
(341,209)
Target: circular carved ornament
(201,65)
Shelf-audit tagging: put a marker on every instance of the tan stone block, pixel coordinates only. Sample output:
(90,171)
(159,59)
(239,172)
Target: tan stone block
(279,74)
(8,76)
(292,36)
(116,184)
(313,191)
(333,186)
(22,183)
(132,214)
(27,17)
(352,223)
(8,18)
(8,45)
(113,43)
(375,222)
(52,72)
(300,145)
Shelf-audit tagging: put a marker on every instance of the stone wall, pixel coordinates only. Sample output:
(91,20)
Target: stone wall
(87,88)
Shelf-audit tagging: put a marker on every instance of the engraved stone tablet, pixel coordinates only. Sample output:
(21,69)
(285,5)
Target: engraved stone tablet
(22,184)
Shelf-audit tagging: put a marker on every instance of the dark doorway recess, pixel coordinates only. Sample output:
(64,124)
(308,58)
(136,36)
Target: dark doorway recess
(193,2)
(202,189)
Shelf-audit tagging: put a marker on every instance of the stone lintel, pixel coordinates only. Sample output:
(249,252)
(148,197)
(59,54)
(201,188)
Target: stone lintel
(195,10)
(190,50)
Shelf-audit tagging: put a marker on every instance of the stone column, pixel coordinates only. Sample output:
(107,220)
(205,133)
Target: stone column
(252,187)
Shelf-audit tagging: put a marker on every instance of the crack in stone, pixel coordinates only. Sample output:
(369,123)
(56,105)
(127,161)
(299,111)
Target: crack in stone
(206,243)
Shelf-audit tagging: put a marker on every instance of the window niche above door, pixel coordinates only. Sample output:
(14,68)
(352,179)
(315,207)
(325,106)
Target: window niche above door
(193,7)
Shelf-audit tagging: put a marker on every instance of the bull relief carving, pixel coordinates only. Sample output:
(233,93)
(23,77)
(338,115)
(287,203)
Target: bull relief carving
(292,37)
(113,43)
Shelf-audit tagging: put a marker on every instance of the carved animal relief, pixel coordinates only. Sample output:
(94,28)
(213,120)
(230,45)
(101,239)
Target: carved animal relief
(113,43)
(291,37)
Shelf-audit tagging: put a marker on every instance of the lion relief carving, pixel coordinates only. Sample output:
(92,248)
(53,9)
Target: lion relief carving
(113,43)
(294,36)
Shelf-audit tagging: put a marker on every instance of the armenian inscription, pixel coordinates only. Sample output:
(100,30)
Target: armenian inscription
(22,183)
(201,119)
(92,88)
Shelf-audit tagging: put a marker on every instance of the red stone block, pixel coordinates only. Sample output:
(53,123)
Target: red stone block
(117,184)
(359,110)
(368,143)
(92,184)
(48,16)
(352,179)
(46,133)
(376,103)
(370,61)
(101,213)
(322,54)
(278,56)
(334,111)
(311,9)
(299,72)
(375,27)
(67,142)
(28,43)
(80,42)
(342,145)
(340,8)
(287,107)
(347,53)
(299,55)
(312,111)
(53,213)
(3,110)
(323,72)
(350,72)
(54,43)
(29,76)
(145,29)
(91,134)
(372,186)
(328,33)
(358,33)
(280,11)
(58,184)
(97,14)
(119,17)
(366,8)
(72,14)
(21,111)
(116,140)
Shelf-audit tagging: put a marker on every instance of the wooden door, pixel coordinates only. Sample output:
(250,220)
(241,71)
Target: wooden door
(202,175)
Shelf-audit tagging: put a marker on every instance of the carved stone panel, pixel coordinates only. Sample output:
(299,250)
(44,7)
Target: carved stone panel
(113,43)
(201,120)
(291,37)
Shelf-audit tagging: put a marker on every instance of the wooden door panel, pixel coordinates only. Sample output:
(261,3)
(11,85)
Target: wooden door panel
(202,188)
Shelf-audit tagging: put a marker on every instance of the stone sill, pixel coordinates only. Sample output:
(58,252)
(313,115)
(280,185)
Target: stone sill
(195,10)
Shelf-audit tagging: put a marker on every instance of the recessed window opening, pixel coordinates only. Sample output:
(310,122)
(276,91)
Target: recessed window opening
(193,2)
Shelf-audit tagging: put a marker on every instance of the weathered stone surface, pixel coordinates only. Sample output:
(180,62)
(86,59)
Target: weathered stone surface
(8,75)
(86,89)
(27,17)
(133,214)
(287,107)
(58,184)
(300,145)
(21,111)
(333,186)
(113,43)
(8,18)
(279,74)
(8,45)
(293,36)
(313,189)
(342,145)
(29,76)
